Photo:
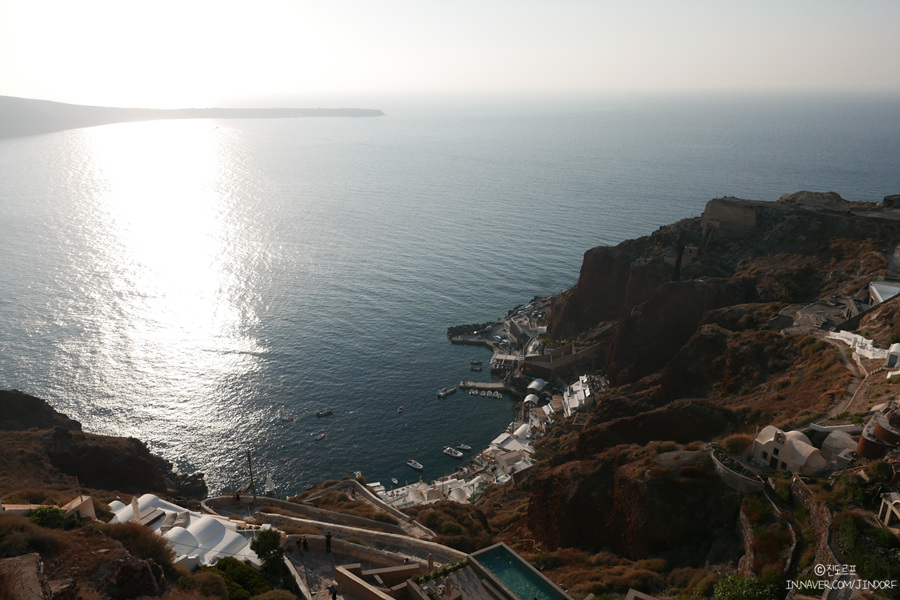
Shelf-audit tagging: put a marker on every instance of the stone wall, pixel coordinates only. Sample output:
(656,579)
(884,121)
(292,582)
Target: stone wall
(820,518)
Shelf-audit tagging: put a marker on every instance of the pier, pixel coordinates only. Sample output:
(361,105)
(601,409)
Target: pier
(491,386)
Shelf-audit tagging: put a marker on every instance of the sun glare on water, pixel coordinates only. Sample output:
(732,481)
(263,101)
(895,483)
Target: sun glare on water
(172,255)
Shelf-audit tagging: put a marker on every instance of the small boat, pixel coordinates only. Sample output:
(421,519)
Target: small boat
(394,481)
(453,452)
(415,464)
(287,418)
(475,363)
(498,395)
(446,391)
(324,412)
(476,368)
(321,435)
(464,446)
(483,393)
(400,410)
(270,485)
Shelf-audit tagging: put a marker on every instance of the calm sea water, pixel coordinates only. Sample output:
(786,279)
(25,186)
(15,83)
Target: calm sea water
(192,283)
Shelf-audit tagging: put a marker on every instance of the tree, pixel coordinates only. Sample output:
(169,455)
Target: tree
(736,587)
(267,546)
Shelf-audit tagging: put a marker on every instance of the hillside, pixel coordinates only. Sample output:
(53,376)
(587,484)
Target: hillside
(690,320)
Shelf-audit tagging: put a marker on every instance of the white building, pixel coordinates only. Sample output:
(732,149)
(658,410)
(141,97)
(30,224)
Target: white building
(882,291)
(196,539)
(577,395)
(788,451)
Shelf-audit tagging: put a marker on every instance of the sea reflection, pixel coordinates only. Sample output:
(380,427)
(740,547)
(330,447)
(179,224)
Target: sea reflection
(173,329)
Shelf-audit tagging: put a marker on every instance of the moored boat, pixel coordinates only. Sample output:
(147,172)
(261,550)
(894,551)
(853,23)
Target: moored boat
(415,464)
(394,481)
(446,391)
(321,435)
(324,412)
(474,363)
(400,410)
(453,452)
(464,446)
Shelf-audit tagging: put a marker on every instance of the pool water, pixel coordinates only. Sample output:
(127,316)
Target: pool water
(517,575)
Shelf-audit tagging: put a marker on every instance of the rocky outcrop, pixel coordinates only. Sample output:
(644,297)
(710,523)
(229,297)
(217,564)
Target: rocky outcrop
(654,332)
(19,411)
(683,421)
(22,578)
(128,577)
(104,462)
(622,500)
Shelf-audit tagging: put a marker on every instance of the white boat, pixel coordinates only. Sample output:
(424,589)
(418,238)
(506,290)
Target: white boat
(270,485)
(453,452)
(399,410)
(321,435)
(483,393)
(415,464)
(394,481)
(324,412)
(446,391)
(464,446)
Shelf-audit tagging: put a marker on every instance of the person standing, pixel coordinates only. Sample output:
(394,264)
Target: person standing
(328,542)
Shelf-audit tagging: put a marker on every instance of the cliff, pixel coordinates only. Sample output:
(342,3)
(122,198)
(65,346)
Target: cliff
(657,288)
(692,349)
(41,447)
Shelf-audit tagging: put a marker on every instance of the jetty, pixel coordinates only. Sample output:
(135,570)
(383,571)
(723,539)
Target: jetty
(491,386)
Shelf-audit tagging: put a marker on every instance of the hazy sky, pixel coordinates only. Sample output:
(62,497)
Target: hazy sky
(216,52)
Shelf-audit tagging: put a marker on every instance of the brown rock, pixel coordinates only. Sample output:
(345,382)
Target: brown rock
(22,578)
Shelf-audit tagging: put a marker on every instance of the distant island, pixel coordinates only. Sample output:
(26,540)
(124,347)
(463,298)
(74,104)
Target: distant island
(24,116)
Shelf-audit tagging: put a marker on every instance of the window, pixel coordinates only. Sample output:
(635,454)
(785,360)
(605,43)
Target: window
(774,451)
(765,455)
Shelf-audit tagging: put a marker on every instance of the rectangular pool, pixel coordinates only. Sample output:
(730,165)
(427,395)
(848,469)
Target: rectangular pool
(515,574)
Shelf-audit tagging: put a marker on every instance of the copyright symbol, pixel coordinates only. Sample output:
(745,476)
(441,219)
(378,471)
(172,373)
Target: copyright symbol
(819,570)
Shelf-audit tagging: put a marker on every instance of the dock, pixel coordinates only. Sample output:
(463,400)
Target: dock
(491,386)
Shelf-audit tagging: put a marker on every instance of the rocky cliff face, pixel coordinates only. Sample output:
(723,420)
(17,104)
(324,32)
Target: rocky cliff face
(40,447)
(624,499)
(686,338)
(798,249)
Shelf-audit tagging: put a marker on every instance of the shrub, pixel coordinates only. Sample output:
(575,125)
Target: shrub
(211,584)
(47,516)
(141,541)
(736,587)
(20,536)
(737,443)
(241,576)
(275,595)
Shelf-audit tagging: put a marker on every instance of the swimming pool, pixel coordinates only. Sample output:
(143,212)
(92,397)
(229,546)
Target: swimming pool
(516,575)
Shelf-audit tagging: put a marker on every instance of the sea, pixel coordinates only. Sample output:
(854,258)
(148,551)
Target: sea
(207,285)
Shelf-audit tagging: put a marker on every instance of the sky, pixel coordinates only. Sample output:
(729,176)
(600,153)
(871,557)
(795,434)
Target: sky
(171,53)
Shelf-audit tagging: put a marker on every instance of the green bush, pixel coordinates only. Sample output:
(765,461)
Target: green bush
(47,516)
(242,575)
(736,587)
